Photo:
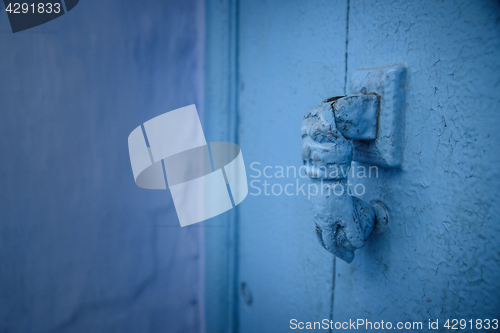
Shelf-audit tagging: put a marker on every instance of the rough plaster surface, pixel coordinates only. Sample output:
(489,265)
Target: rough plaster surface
(80,249)
(439,257)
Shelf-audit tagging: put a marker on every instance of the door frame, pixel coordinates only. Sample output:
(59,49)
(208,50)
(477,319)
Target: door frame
(221,124)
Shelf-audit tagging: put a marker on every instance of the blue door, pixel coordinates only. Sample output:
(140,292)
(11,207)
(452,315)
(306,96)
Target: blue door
(268,63)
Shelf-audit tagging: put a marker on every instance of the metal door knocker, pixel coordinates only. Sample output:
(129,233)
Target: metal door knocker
(368,125)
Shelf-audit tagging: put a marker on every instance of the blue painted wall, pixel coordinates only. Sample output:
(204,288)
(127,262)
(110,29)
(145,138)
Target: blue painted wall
(439,258)
(82,248)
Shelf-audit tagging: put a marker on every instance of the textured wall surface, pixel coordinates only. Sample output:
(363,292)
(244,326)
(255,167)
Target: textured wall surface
(440,256)
(82,248)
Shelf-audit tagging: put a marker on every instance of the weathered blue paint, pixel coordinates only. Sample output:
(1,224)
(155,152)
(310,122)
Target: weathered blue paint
(389,84)
(356,116)
(82,248)
(438,255)
(343,222)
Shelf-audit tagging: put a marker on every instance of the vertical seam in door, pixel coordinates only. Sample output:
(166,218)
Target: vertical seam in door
(236,85)
(333,293)
(346,46)
(332,299)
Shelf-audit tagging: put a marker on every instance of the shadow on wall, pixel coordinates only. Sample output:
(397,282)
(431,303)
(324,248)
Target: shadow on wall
(82,247)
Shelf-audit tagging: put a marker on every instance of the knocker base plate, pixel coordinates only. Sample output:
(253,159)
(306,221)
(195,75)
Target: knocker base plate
(389,84)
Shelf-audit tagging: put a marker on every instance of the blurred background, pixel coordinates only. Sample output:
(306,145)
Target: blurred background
(82,248)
